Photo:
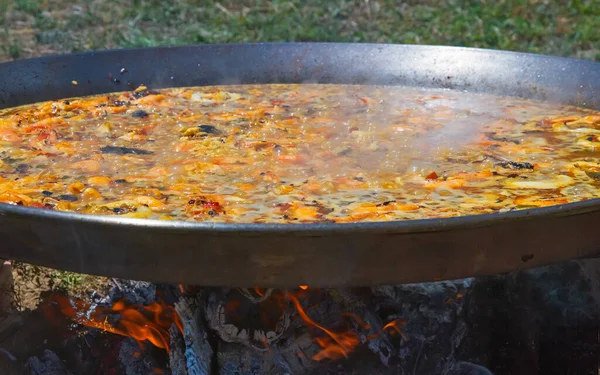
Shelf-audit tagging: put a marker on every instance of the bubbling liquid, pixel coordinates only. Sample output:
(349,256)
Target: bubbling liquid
(296,154)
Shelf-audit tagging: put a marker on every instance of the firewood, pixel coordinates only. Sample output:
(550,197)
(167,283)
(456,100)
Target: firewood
(138,360)
(177,360)
(198,353)
(47,364)
(216,302)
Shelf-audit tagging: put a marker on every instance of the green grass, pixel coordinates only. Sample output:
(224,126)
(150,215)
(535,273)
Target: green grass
(13,50)
(67,280)
(546,27)
(29,6)
(565,28)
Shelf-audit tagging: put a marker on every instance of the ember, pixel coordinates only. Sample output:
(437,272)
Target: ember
(335,346)
(256,318)
(141,323)
(445,327)
(338,345)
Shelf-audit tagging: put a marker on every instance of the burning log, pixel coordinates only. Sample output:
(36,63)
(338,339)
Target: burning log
(316,330)
(191,352)
(131,292)
(520,322)
(139,359)
(323,328)
(256,320)
(235,359)
(177,359)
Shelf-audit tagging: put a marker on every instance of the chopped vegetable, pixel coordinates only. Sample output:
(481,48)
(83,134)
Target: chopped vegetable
(289,153)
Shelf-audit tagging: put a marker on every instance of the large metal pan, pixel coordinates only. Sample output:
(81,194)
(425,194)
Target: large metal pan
(312,254)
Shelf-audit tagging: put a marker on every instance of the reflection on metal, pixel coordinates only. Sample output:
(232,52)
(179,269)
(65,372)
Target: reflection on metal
(313,254)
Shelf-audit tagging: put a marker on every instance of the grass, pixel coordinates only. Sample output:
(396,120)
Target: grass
(564,28)
(30,28)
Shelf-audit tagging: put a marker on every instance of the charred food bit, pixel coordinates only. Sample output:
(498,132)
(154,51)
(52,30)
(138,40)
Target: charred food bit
(201,206)
(124,150)
(208,129)
(515,165)
(139,113)
(68,198)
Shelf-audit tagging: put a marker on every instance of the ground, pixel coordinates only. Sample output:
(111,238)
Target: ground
(37,27)
(30,28)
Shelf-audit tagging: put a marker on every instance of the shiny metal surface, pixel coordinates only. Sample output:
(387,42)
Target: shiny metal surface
(301,254)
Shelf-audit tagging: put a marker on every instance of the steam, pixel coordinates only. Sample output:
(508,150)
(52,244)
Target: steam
(388,129)
(401,129)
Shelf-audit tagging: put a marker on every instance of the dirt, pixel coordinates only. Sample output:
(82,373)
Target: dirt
(30,282)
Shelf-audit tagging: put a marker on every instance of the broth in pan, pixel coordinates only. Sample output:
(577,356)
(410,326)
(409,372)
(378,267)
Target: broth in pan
(297,154)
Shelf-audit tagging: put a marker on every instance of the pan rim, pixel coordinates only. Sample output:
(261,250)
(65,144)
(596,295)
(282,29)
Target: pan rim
(306,44)
(313,228)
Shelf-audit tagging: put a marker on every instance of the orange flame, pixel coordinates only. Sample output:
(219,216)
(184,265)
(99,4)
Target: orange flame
(358,320)
(338,345)
(335,346)
(394,326)
(141,323)
(332,349)
(152,322)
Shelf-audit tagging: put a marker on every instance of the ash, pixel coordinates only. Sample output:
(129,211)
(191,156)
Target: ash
(540,321)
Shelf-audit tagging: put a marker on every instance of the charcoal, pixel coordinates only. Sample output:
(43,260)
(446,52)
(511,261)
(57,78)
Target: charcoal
(46,364)
(191,353)
(542,320)
(134,292)
(138,360)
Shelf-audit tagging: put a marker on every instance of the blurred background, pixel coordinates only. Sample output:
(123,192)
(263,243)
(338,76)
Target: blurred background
(30,28)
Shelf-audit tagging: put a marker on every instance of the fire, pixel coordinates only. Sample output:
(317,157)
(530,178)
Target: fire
(338,345)
(151,323)
(335,346)
(141,323)
(394,327)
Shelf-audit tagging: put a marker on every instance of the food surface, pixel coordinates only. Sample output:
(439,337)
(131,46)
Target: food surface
(297,154)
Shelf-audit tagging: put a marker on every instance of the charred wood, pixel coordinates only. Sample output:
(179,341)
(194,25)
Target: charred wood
(177,360)
(191,353)
(134,292)
(247,328)
(10,323)
(140,359)
(47,364)
(288,357)
(534,322)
